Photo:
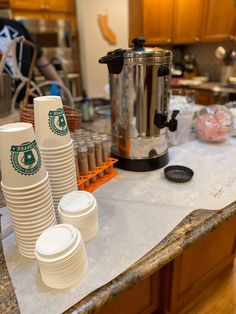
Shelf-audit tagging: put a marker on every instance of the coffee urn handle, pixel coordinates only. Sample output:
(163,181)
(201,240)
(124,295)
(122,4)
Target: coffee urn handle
(161,122)
(114,61)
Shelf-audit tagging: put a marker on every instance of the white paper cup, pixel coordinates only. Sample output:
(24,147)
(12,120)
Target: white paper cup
(28,197)
(59,160)
(27,200)
(63,170)
(63,188)
(21,164)
(30,206)
(35,229)
(62,178)
(31,209)
(50,122)
(29,189)
(60,166)
(26,240)
(55,150)
(58,193)
(39,214)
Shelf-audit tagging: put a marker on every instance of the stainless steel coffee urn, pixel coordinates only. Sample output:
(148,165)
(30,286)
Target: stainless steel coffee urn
(139,86)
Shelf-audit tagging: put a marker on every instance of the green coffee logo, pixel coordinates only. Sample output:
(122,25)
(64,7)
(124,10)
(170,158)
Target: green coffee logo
(57,122)
(26,158)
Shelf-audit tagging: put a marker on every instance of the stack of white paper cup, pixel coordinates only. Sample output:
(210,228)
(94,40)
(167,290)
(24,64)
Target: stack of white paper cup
(80,209)
(25,185)
(61,256)
(56,145)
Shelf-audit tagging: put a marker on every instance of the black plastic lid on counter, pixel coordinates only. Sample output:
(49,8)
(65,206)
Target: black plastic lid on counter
(178,174)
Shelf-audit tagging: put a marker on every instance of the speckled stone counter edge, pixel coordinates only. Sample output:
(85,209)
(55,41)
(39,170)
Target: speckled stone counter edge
(193,227)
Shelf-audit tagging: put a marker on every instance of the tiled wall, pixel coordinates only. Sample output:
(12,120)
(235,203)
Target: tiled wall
(207,64)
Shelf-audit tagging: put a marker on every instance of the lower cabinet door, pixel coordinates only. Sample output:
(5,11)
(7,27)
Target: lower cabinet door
(143,299)
(190,273)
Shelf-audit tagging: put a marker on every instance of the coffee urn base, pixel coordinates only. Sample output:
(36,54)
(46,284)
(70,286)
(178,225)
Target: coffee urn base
(140,165)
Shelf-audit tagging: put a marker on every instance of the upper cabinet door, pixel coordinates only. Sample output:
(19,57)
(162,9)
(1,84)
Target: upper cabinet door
(157,21)
(187,21)
(60,5)
(218,20)
(27,4)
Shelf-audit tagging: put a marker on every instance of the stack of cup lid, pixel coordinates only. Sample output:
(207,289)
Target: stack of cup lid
(56,145)
(61,256)
(80,209)
(25,185)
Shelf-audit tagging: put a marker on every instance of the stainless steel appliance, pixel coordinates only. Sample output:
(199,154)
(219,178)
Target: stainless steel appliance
(139,83)
(59,46)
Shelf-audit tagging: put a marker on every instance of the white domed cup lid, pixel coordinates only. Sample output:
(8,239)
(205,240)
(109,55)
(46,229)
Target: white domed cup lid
(76,203)
(57,241)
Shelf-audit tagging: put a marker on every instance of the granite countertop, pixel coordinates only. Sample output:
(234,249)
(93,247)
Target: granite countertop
(194,226)
(212,86)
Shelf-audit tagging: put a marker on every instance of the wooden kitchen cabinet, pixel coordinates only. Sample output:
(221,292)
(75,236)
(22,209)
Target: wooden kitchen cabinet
(190,273)
(142,299)
(60,5)
(187,21)
(27,4)
(218,20)
(160,13)
(165,21)
(42,6)
(181,21)
(174,287)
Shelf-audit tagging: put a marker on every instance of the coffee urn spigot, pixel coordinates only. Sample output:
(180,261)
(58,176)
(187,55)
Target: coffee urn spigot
(160,120)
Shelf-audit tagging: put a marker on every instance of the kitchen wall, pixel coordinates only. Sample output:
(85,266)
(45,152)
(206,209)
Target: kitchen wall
(93,45)
(207,64)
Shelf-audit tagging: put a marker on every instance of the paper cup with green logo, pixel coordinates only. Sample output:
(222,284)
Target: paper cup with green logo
(50,122)
(21,163)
